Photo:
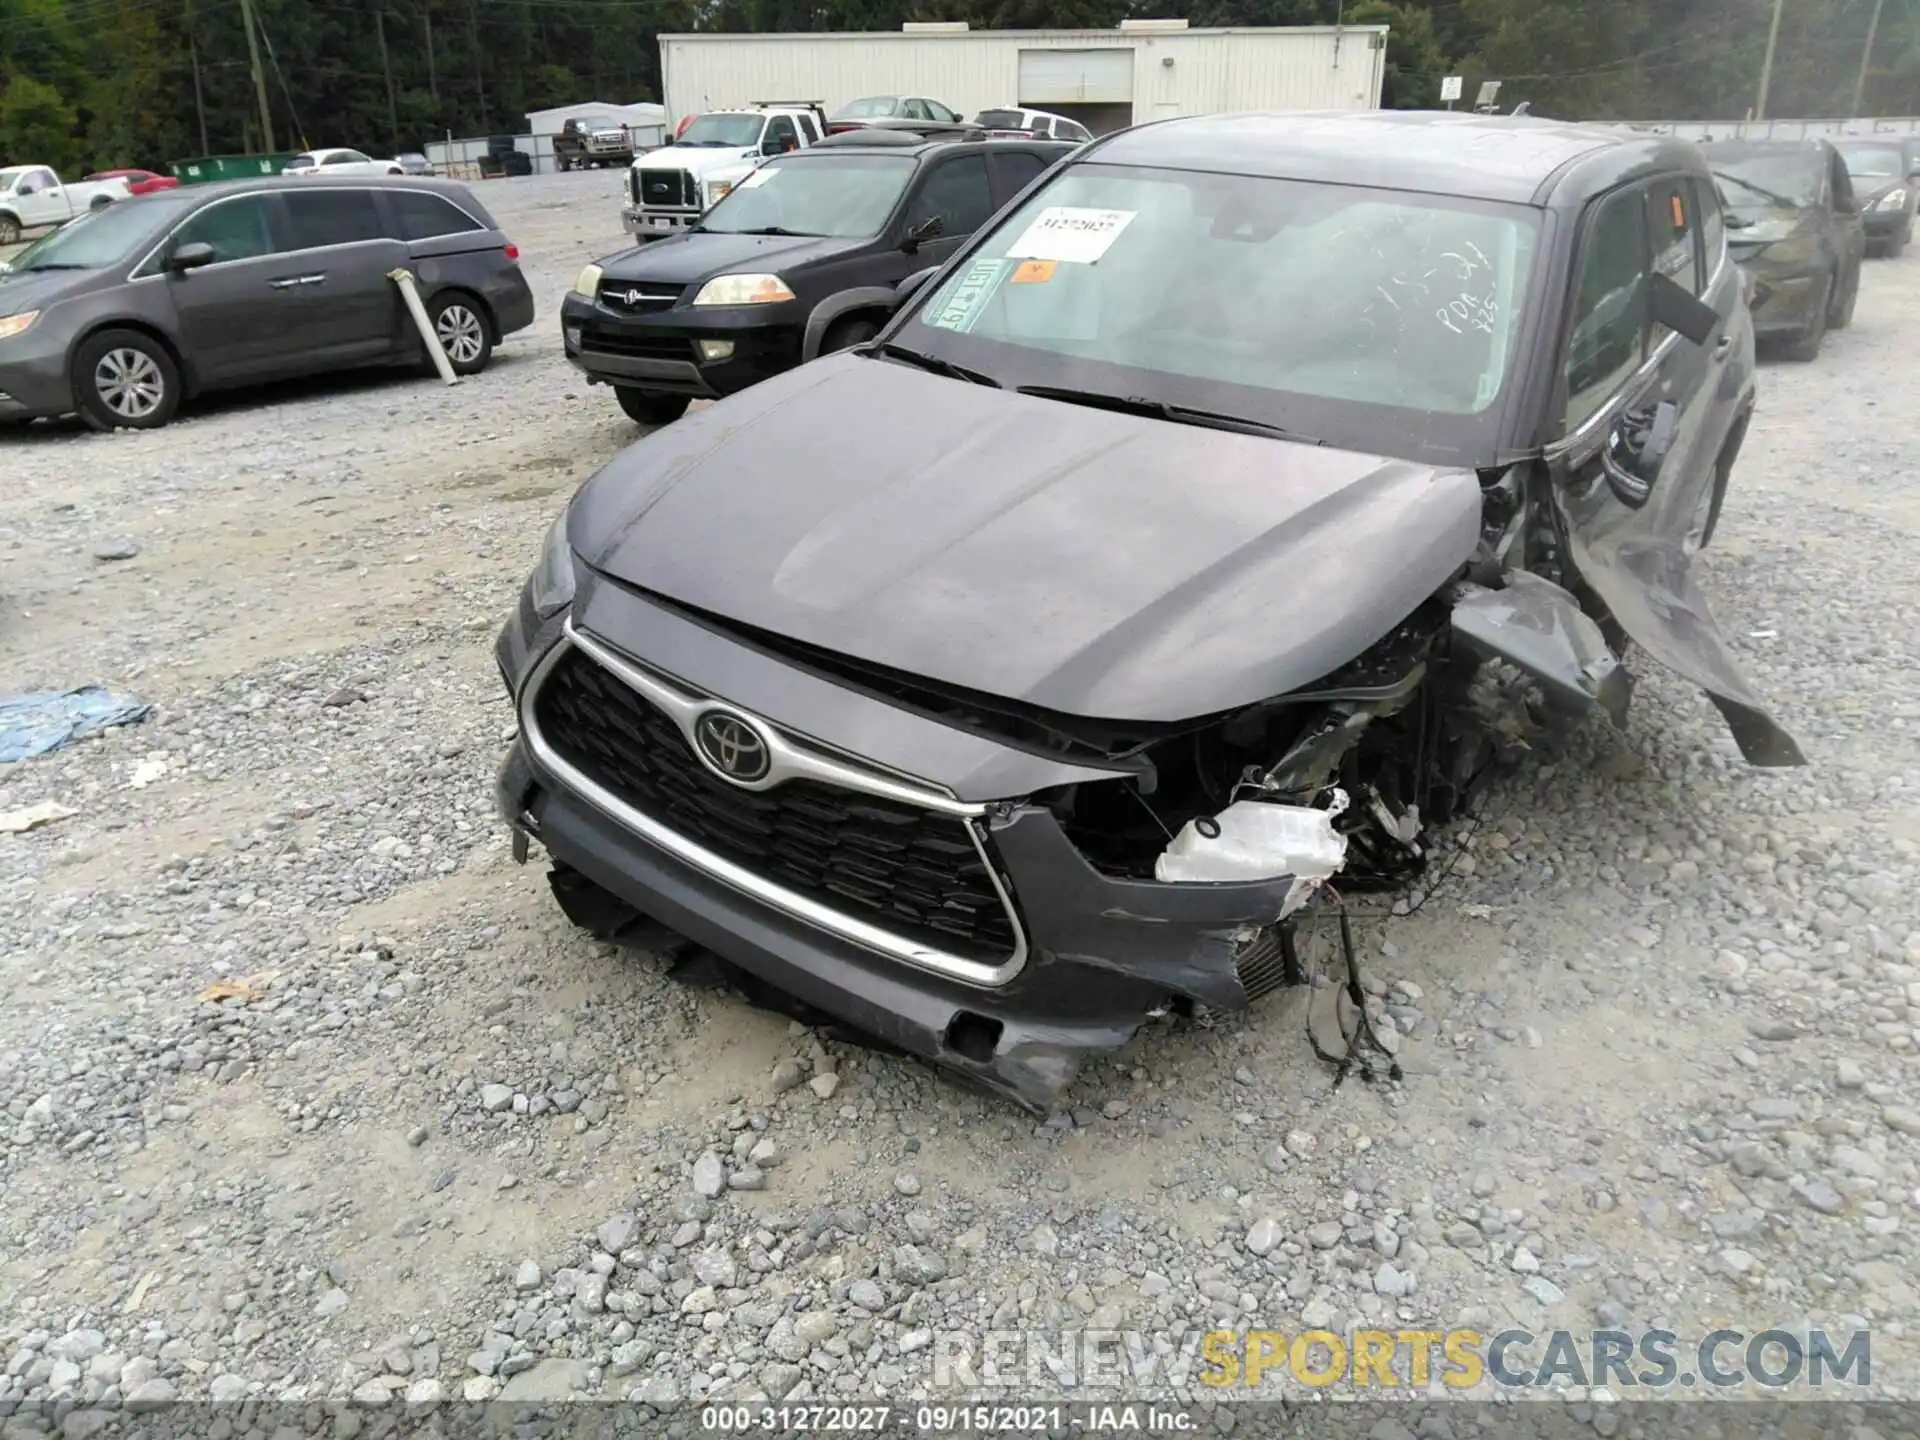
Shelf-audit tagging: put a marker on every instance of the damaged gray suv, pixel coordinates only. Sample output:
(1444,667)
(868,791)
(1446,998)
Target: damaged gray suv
(1200,533)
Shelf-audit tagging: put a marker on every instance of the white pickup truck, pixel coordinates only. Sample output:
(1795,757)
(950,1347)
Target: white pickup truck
(32,198)
(670,188)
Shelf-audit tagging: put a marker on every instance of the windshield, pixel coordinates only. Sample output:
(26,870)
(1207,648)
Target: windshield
(1880,162)
(874,107)
(104,237)
(847,196)
(600,122)
(1750,183)
(1379,320)
(733,131)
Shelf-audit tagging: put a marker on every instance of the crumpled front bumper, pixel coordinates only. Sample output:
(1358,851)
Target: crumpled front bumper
(1104,955)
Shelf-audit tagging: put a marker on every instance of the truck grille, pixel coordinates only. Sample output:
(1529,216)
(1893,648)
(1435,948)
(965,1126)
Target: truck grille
(910,871)
(674,188)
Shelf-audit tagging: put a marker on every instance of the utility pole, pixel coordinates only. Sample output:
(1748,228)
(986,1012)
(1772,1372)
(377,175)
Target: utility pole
(1766,66)
(1860,84)
(259,75)
(433,84)
(479,75)
(386,64)
(199,99)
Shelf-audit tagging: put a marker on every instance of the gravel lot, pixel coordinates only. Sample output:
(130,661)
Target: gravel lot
(1660,1019)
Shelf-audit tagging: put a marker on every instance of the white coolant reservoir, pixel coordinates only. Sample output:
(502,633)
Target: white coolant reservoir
(1258,840)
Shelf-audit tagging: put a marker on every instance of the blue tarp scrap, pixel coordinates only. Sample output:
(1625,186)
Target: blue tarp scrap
(37,724)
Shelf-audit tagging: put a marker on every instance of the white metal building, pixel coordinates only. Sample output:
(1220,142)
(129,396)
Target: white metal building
(1106,79)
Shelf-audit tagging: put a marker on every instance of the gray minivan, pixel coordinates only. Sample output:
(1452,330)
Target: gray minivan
(124,314)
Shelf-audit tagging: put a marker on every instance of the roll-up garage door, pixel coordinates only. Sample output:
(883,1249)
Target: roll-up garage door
(1075,77)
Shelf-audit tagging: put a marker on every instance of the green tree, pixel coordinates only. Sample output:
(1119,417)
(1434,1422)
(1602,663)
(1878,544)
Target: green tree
(37,123)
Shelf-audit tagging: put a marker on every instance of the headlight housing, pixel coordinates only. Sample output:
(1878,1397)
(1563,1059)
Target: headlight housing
(550,588)
(1892,200)
(743,290)
(11,325)
(718,190)
(589,282)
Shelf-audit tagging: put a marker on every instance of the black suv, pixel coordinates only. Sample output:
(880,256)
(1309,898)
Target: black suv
(727,302)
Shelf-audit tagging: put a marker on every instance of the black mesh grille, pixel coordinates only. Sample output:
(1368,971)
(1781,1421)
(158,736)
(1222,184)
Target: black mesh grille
(912,872)
(639,345)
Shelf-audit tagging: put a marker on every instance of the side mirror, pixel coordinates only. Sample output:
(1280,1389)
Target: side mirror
(1680,311)
(904,292)
(190,257)
(921,233)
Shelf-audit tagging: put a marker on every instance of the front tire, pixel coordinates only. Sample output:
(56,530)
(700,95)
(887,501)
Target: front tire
(465,334)
(9,230)
(1806,346)
(844,334)
(1840,311)
(125,380)
(651,407)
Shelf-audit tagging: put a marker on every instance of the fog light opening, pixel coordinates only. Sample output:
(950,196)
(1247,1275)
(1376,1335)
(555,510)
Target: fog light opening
(711,350)
(973,1037)
(573,337)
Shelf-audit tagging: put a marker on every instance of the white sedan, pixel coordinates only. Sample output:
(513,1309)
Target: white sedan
(340,162)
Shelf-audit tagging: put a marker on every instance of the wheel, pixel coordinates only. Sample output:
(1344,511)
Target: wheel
(1840,311)
(461,323)
(852,331)
(395,170)
(651,407)
(1898,243)
(125,380)
(1806,346)
(100,202)
(9,230)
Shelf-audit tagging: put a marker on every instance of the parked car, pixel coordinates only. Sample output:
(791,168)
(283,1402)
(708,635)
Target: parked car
(668,189)
(1042,123)
(32,198)
(857,113)
(593,140)
(1794,227)
(1199,532)
(124,314)
(413,163)
(139,182)
(340,162)
(726,304)
(1884,182)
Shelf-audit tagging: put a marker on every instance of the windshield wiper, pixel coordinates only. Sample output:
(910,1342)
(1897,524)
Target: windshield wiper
(1160,409)
(49,265)
(774,230)
(938,366)
(1759,190)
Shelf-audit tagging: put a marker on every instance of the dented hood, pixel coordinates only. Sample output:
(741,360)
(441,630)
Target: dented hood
(1089,562)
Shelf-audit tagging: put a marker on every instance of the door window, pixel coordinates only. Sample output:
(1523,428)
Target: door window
(941,112)
(1017,170)
(781,136)
(917,110)
(238,229)
(1672,229)
(809,129)
(1608,337)
(1713,226)
(36,182)
(958,193)
(421,216)
(333,217)
(346,157)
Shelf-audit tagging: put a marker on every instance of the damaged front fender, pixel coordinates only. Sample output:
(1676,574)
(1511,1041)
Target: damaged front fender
(1644,574)
(1540,629)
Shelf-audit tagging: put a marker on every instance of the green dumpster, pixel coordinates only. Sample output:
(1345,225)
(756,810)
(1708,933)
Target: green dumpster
(229,167)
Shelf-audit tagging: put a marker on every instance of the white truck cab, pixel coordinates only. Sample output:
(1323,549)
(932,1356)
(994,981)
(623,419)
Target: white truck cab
(670,188)
(32,198)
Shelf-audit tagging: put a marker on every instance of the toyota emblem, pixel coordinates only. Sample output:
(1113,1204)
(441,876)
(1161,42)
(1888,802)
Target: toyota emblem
(733,746)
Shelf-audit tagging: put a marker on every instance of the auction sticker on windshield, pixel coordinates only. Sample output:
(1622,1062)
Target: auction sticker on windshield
(1066,232)
(969,297)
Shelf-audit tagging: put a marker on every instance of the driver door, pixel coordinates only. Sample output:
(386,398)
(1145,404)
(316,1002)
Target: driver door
(1647,416)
